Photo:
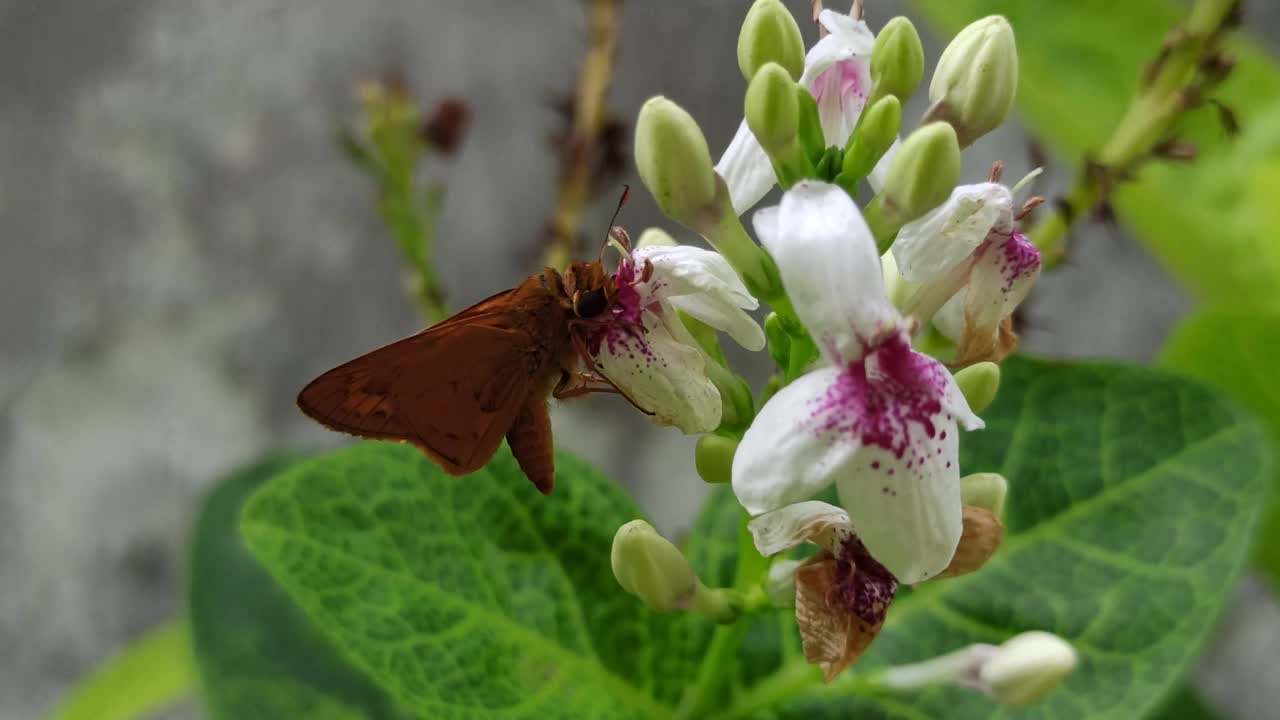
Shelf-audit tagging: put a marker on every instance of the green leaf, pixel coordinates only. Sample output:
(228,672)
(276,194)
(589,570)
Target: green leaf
(472,597)
(1235,350)
(1133,496)
(1209,223)
(1185,704)
(257,655)
(152,672)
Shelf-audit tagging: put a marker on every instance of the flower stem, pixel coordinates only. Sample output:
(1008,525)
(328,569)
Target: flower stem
(718,662)
(412,222)
(1148,121)
(588,119)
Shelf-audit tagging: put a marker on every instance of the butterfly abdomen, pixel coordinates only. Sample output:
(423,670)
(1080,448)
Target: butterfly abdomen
(530,442)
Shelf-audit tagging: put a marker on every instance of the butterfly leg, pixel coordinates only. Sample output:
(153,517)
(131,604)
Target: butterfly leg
(577,384)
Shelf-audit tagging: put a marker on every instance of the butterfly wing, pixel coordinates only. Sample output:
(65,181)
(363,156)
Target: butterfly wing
(452,390)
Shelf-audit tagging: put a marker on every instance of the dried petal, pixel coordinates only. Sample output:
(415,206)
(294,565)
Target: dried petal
(979,540)
(841,606)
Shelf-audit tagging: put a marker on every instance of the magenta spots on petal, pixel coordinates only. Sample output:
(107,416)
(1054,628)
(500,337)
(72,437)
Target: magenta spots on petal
(865,586)
(1020,259)
(625,333)
(878,406)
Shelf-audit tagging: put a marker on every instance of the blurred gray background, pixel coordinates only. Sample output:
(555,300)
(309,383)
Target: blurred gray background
(182,247)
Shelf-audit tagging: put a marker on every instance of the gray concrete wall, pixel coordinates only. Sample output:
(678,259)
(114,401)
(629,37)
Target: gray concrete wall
(182,247)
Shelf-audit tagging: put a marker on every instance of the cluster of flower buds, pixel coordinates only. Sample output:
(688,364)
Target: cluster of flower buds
(856,405)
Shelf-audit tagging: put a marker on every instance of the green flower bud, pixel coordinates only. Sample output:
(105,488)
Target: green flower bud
(979,383)
(655,237)
(771,110)
(984,490)
(713,457)
(779,339)
(923,173)
(736,403)
(896,287)
(674,162)
(648,566)
(770,35)
(897,61)
(976,80)
(1027,667)
(877,129)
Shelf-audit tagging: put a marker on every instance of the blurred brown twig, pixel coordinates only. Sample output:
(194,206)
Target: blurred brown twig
(588,124)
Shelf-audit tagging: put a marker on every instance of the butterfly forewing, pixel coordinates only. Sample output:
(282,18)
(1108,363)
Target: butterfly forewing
(453,390)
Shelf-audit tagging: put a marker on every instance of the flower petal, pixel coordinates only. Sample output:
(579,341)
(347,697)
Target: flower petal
(810,521)
(746,170)
(789,454)
(945,236)
(908,511)
(1000,280)
(688,270)
(841,93)
(847,38)
(830,268)
(703,284)
(724,316)
(880,173)
(903,490)
(662,370)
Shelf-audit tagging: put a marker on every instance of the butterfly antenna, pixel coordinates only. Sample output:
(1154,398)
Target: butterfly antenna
(608,234)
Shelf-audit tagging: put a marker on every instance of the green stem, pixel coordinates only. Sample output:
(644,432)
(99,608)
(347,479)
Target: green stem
(1147,122)
(151,673)
(727,639)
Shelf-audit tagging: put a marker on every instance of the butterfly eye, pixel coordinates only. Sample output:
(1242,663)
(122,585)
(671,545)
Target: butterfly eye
(589,304)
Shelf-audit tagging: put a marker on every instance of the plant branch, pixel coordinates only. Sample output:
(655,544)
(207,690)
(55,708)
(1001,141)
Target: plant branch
(588,120)
(1167,92)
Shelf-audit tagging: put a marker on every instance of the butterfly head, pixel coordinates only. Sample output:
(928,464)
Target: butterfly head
(591,290)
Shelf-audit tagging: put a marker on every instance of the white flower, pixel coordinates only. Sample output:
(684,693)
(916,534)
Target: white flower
(876,418)
(973,268)
(646,351)
(837,71)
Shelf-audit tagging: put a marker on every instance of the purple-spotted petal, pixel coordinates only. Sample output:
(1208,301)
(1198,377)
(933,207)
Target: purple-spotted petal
(829,266)
(793,449)
(1003,274)
(902,491)
(746,170)
(659,366)
(944,237)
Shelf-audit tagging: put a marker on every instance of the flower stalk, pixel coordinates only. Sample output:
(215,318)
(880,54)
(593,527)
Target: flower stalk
(1151,117)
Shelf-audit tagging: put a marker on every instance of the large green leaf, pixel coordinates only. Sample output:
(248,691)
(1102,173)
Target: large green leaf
(1209,223)
(472,597)
(1133,496)
(1236,350)
(257,655)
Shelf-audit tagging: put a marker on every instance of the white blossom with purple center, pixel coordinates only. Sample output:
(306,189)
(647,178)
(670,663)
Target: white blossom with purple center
(837,72)
(875,417)
(972,266)
(648,353)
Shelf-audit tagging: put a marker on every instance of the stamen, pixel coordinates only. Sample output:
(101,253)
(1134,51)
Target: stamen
(997,171)
(1031,204)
